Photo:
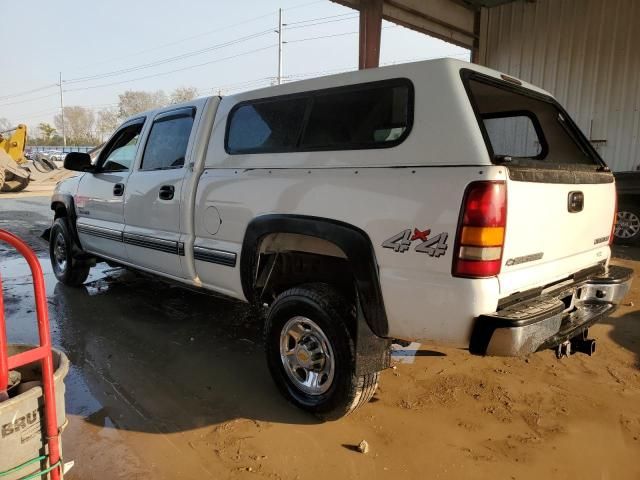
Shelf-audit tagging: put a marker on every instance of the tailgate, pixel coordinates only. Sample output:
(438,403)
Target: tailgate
(545,241)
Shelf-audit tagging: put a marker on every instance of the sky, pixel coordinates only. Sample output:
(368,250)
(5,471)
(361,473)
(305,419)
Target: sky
(104,48)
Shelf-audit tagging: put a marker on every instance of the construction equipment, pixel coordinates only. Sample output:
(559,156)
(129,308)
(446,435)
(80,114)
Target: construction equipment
(14,176)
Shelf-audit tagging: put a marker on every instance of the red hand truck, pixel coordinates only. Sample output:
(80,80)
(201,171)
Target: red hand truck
(42,353)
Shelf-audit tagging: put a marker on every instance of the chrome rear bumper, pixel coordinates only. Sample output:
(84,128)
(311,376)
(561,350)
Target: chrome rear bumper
(548,320)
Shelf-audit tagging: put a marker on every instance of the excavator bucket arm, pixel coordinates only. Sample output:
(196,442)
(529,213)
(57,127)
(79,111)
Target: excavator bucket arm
(13,177)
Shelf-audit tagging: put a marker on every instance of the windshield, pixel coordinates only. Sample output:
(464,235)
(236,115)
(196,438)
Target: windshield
(524,129)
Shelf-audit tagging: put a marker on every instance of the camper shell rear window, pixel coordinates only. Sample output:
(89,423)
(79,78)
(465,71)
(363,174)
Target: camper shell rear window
(525,128)
(362,116)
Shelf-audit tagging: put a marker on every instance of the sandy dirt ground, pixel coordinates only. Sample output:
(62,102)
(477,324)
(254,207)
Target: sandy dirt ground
(168,383)
(41,184)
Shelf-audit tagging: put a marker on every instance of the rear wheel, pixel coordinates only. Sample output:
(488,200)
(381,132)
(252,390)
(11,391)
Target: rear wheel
(68,270)
(311,352)
(627,229)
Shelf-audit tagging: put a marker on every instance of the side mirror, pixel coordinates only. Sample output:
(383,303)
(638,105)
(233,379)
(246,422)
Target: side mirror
(78,161)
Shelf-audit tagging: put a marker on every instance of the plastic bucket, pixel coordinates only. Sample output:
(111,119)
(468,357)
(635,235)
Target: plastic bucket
(21,417)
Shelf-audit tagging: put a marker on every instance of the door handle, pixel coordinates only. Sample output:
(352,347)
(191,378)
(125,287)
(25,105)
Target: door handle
(166,192)
(118,189)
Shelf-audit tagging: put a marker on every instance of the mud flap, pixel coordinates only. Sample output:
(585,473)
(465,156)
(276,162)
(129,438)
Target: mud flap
(373,353)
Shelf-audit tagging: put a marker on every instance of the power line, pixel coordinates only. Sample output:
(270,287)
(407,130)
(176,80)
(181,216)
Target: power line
(186,39)
(168,60)
(50,111)
(199,35)
(198,52)
(28,92)
(236,86)
(319,18)
(332,35)
(322,36)
(322,23)
(171,71)
(29,100)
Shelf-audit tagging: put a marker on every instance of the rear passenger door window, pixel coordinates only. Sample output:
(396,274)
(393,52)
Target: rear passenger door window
(168,139)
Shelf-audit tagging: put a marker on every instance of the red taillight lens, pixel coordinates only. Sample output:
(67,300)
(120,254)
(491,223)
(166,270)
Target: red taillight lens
(480,238)
(486,205)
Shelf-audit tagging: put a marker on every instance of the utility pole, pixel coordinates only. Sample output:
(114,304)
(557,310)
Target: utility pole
(279,46)
(64,136)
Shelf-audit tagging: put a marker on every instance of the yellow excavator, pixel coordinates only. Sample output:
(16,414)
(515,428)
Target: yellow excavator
(14,176)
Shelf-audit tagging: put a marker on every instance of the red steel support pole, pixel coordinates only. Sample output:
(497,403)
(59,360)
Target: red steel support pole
(4,358)
(43,353)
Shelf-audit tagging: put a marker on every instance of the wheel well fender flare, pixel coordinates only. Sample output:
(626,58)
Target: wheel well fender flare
(353,241)
(66,200)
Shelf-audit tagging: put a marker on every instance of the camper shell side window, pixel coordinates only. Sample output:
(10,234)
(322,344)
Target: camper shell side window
(363,116)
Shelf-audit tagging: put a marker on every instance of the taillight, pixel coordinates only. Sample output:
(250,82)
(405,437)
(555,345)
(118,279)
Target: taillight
(480,239)
(615,216)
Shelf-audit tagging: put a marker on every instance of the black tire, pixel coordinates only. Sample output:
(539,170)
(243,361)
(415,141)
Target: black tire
(329,311)
(627,230)
(66,268)
(19,183)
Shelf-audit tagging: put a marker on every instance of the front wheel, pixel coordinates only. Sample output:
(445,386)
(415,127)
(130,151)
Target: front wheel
(68,270)
(627,230)
(311,352)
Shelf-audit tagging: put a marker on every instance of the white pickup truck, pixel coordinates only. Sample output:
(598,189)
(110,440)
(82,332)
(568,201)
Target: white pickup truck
(432,201)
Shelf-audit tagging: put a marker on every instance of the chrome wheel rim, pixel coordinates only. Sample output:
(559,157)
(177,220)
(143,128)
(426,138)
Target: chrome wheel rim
(627,225)
(307,356)
(60,253)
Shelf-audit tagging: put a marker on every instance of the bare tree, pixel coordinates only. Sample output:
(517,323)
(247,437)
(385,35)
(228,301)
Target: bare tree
(132,102)
(107,122)
(4,124)
(78,124)
(183,94)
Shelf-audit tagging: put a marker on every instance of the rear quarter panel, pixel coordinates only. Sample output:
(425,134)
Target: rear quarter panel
(423,301)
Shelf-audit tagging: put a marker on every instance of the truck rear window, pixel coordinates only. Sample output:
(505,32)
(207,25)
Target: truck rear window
(522,127)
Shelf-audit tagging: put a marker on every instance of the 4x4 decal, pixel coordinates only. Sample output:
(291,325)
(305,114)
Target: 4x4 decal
(434,246)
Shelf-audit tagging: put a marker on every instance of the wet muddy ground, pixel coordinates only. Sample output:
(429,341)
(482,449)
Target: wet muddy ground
(168,383)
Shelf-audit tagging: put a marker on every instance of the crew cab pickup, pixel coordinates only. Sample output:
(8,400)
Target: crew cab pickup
(433,201)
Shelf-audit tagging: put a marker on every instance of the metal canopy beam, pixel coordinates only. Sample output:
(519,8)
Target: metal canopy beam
(449,20)
(454,21)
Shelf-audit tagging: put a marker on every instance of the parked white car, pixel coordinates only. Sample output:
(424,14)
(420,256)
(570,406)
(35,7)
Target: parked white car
(437,201)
